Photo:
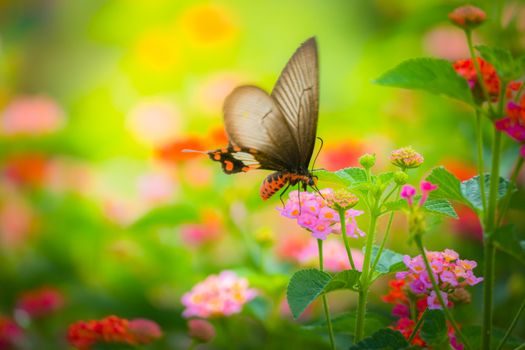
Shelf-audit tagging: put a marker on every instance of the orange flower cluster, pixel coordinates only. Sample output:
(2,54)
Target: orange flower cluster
(467,70)
(112,329)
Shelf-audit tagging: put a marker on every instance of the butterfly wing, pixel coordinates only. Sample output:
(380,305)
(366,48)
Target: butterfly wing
(253,121)
(296,94)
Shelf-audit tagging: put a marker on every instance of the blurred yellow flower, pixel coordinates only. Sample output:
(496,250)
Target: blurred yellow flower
(206,24)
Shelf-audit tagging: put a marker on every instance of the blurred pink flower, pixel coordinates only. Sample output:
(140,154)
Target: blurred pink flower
(31,115)
(207,231)
(155,187)
(218,295)
(334,253)
(11,334)
(40,302)
(467,225)
(143,331)
(155,121)
(446,42)
(16,221)
(201,330)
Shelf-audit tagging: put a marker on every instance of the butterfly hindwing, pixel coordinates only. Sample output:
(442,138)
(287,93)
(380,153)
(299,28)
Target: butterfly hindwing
(235,159)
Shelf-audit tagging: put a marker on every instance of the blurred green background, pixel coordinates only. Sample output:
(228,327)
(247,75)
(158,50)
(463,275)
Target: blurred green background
(97,99)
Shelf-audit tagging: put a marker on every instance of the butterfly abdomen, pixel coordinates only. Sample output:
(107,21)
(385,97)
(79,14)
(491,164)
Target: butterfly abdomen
(275,181)
(235,159)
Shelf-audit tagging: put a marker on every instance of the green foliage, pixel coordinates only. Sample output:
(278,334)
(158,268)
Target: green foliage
(507,68)
(389,262)
(466,192)
(440,207)
(434,329)
(428,74)
(170,215)
(384,339)
(306,285)
(345,323)
(504,238)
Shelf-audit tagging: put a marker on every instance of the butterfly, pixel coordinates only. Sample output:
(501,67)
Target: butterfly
(275,131)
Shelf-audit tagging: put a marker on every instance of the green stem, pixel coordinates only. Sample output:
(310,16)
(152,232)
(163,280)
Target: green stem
(481,167)
(521,347)
(416,328)
(511,326)
(435,286)
(345,238)
(193,345)
(508,195)
(323,297)
(489,249)
(364,285)
(477,68)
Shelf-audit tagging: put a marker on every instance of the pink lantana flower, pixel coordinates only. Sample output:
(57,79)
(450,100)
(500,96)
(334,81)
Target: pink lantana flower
(433,301)
(313,212)
(218,295)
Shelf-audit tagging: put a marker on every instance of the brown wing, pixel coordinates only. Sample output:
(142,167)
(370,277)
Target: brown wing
(296,93)
(253,121)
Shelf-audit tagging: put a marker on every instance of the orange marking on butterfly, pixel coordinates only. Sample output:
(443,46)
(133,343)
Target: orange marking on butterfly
(217,156)
(246,168)
(236,149)
(228,165)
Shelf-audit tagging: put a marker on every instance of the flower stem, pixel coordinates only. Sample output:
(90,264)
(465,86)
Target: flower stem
(481,167)
(477,68)
(508,195)
(323,297)
(446,311)
(511,326)
(416,328)
(345,238)
(489,249)
(365,276)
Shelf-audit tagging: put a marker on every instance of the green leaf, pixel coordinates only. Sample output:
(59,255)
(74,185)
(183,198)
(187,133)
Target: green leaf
(433,206)
(384,339)
(171,215)
(348,177)
(306,285)
(345,323)
(505,239)
(473,334)
(507,68)
(440,207)
(471,190)
(389,262)
(434,328)
(347,279)
(428,74)
(384,178)
(449,185)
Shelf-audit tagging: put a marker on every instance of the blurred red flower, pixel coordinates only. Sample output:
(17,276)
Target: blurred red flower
(26,169)
(172,152)
(10,334)
(341,155)
(40,302)
(112,329)
(463,170)
(467,225)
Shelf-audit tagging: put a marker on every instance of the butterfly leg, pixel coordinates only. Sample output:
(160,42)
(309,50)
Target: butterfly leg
(283,192)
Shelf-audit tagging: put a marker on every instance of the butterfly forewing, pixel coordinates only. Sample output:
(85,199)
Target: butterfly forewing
(296,93)
(253,120)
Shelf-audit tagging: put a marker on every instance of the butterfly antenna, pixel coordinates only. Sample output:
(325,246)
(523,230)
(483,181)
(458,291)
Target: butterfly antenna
(193,151)
(317,155)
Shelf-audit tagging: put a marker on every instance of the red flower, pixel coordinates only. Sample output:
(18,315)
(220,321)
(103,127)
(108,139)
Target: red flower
(466,69)
(514,124)
(40,302)
(112,329)
(26,169)
(10,334)
(467,17)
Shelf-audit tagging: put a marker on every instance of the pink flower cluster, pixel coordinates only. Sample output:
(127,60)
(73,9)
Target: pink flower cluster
(312,212)
(449,271)
(218,295)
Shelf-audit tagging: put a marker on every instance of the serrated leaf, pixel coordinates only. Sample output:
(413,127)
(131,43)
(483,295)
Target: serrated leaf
(348,177)
(170,215)
(449,186)
(306,285)
(434,328)
(345,323)
(385,178)
(471,190)
(396,205)
(428,74)
(440,207)
(504,238)
(331,177)
(384,339)
(507,68)
(389,262)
